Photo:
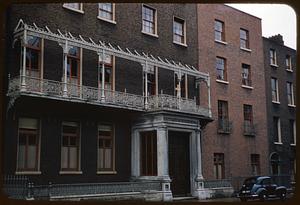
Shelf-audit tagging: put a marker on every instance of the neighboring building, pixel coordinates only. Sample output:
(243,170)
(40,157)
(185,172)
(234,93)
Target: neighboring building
(280,75)
(231,51)
(95,118)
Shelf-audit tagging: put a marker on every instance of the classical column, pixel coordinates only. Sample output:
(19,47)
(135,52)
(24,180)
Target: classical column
(65,63)
(199,155)
(23,72)
(145,70)
(103,77)
(208,93)
(135,154)
(162,153)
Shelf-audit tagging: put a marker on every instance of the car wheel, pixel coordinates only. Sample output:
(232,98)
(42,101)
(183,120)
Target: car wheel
(243,199)
(283,196)
(263,196)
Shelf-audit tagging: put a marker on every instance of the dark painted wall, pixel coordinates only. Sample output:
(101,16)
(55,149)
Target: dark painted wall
(282,110)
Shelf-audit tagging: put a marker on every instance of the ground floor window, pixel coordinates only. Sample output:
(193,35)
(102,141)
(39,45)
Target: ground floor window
(219,166)
(105,148)
(70,146)
(28,145)
(148,153)
(255,164)
(275,164)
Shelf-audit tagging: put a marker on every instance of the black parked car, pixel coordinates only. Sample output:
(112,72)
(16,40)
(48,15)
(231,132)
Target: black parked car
(261,187)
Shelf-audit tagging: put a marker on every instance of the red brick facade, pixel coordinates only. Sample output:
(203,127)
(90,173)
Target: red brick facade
(236,147)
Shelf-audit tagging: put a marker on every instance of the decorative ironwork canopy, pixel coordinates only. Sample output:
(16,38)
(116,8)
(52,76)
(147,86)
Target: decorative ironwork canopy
(22,29)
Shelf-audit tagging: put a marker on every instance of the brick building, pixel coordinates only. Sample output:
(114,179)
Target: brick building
(231,51)
(280,74)
(95,107)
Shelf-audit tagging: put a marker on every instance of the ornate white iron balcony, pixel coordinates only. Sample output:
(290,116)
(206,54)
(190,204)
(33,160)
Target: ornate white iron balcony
(92,95)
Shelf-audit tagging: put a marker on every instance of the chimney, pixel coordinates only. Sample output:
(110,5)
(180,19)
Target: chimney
(277,38)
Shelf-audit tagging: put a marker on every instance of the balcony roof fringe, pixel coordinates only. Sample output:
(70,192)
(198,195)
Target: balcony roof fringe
(107,47)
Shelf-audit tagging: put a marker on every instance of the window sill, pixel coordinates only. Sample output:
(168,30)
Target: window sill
(222,81)
(276,102)
(291,105)
(107,20)
(274,65)
(246,49)
(72,9)
(293,145)
(70,172)
(150,34)
(289,70)
(221,42)
(247,87)
(28,172)
(106,172)
(181,44)
(278,143)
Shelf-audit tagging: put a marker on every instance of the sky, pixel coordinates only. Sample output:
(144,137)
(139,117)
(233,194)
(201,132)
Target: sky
(276,19)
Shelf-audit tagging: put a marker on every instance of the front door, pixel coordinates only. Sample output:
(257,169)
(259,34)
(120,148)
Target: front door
(179,163)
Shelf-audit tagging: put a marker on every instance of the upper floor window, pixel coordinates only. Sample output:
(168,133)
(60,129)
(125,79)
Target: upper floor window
(255,164)
(108,72)
(28,145)
(273,57)
(219,166)
(290,93)
(33,56)
(292,126)
(106,12)
(219,30)
(244,38)
(149,20)
(276,130)
(248,120)
(274,87)
(70,146)
(246,75)
(288,62)
(73,65)
(221,68)
(74,6)
(105,148)
(223,124)
(183,85)
(179,33)
(148,153)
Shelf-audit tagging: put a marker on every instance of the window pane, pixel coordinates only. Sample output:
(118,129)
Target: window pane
(31,161)
(100,158)
(108,158)
(33,41)
(73,157)
(21,156)
(64,157)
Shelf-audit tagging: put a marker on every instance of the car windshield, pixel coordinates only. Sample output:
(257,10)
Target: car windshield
(250,181)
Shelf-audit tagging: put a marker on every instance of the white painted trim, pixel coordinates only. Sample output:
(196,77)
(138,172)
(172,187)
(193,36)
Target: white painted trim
(107,20)
(70,172)
(221,42)
(76,10)
(150,34)
(155,34)
(278,143)
(222,81)
(106,172)
(247,87)
(274,65)
(293,145)
(290,70)
(184,32)
(246,49)
(181,44)
(291,105)
(276,102)
(28,172)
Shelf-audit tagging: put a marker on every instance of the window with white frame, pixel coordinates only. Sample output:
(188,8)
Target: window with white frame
(219,30)
(108,72)
(105,148)
(219,166)
(179,31)
(274,88)
(273,57)
(221,68)
(74,6)
(70,146)
(28,144)
(246,75)
(149,20)
(106,11)
(255,164)
(276,130)
(288,62)
(244,38)
(290,93)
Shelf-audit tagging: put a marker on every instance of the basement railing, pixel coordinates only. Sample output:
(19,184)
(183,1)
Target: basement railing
(92,95)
